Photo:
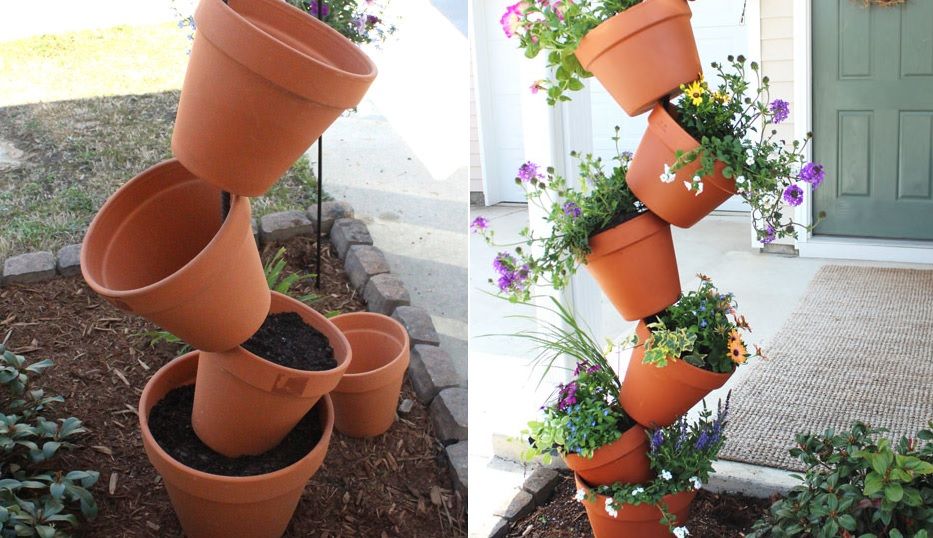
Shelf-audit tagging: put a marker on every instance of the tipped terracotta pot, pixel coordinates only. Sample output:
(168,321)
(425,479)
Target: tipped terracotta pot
(673,201)
(264,81)
(635,265)
(643,54)
(214,506)
(623,460)
(656,397)
(244,404)
(634,520)
(157,248)
(367,396)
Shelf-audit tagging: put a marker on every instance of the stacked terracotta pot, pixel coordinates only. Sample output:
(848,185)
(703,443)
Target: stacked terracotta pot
(642,57)
(175,246)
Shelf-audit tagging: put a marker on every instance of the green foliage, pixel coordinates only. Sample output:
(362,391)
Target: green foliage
(556,29)
(36,499)
(162,336)
(857,483)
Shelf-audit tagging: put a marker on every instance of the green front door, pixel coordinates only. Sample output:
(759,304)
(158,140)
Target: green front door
(873,118)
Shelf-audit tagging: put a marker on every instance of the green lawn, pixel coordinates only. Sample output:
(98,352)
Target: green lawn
(90,110)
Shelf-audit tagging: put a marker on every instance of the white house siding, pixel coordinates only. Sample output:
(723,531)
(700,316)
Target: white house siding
(777,54)
(476,168)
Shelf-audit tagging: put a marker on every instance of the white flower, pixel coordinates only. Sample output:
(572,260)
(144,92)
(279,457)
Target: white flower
(581,495)
(740,180)
(699,189)
(666,475)
(696,185)
(610,509)
(750,159)
(697,483)
(667,176)
(637,491)
(681,532)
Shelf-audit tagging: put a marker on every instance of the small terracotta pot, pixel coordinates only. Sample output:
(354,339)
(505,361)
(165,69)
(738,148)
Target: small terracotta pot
(656,397)
(634,520)
(214,506)
(157,248)
(263,82)
(623,460)
(673,201)
(367,396)
(244,404)
(643,54)
(635,265)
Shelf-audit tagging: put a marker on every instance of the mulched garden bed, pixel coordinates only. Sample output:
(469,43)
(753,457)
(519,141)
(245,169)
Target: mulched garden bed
(395,485)
(711,516)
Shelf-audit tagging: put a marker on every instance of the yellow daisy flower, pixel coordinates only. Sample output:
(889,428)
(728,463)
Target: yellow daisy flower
(695,92)
(737,351)
(722,97)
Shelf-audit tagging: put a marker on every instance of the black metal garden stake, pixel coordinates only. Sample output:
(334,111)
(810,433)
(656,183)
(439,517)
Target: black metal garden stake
(320,182)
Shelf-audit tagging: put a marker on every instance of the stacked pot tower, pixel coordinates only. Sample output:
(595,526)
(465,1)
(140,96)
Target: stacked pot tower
(175,246)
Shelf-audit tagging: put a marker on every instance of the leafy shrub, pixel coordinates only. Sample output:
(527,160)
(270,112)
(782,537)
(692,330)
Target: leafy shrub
(35,498)
(857,484)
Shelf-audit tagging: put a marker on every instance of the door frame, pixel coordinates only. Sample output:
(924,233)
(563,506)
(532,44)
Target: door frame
(810,246)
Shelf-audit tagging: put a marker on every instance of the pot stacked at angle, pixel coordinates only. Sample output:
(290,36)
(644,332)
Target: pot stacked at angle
(264,81)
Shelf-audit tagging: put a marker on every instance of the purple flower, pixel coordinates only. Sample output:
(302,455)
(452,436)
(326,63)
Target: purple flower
(770,235)
(503,263)
(528,171)
(568,395)
(372,20)
(479,224)
(703,441)
(780,109)
(572,210)
(813,174)
(793,195)
(657,438)
(511,278)
(313,8)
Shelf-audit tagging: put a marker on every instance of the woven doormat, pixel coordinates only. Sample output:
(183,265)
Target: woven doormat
(859,346)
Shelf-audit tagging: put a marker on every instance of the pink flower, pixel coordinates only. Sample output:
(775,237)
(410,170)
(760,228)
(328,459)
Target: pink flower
(511,20)
(537,86)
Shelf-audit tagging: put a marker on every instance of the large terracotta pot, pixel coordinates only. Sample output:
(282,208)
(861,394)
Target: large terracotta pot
(623,460)
(656,397)
(244,404)
(263,82)
(367,396)
(214,506)
(643,54)
(157,248)
(634,520)
(672,201)
(635,265)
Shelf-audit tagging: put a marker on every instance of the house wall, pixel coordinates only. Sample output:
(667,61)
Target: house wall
(476,168)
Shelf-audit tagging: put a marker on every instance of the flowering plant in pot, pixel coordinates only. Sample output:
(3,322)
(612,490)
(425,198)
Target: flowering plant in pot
(640,51)
(601,224)
(686,351)
(681,457)
(583,419)
(361,22)
(857,483)
(712,143)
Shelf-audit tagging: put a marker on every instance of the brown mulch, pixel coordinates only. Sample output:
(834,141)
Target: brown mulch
(711,516)
(395,485)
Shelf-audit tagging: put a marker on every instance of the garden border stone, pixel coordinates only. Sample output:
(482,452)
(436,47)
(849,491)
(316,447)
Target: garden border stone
(29,267)
(69,260)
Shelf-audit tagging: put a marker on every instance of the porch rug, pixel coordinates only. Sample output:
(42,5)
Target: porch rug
(859,346)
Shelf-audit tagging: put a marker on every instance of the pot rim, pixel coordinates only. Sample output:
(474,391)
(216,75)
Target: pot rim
(633,230)
(646,511)
(682,371)
(327,418)
(238,205)
(630,441)
(403,356)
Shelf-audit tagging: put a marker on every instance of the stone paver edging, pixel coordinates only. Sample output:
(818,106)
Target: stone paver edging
(431,371)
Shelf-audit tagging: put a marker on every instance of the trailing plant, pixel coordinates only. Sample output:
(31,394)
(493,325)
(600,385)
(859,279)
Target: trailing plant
(681,456)
(555,27)
(857,483)
(602,201)
(698,329)
(35,498)
(361,22)
(734,126)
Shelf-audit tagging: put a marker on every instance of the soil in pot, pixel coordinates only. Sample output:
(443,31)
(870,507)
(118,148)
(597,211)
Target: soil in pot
(170,424)
(286,340)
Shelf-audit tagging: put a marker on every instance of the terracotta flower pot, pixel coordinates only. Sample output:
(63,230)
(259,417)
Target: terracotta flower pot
(656,397)
(244,404)
(635,265)
(673,201)
(263,82)
(642,54)
(367,396)
(623,460)
(157,248)
(214,506)
(634,520)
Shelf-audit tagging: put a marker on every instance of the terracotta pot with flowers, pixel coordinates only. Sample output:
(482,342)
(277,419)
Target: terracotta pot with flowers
(711,144)
(583,420)
(628,250)
(684,353)
(682,458)
(640,51)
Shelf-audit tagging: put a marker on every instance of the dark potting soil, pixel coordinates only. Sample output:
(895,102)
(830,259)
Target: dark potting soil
(621,218)
(170,425)
(287,340)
